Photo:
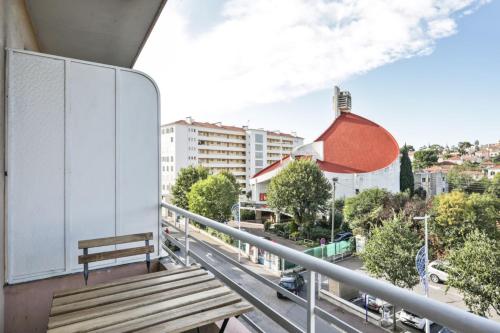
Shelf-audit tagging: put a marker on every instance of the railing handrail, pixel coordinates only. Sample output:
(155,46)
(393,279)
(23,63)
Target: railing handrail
(441,313)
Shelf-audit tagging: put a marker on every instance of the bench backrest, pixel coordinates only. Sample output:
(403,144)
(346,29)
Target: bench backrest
(98,242)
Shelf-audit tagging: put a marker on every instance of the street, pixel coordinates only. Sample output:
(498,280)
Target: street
(295,313)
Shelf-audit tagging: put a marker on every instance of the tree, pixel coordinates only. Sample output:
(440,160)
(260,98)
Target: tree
(365,211)
(463,147)
(474,269)
(406,181)
(425,158)
(231,178)
(186,178)
(456,215)
(494,188)
(458,180)
(213,197)
(390,254)
(301,190)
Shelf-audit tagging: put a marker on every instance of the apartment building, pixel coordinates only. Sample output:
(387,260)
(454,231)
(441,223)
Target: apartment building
(239,150)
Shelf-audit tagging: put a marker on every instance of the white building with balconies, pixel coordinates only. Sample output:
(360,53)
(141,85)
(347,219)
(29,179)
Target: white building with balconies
(239,150)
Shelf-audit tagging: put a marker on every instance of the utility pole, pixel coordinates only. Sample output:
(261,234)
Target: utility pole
(334,181)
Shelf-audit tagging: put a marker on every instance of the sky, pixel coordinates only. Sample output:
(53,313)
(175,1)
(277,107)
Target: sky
(426,70)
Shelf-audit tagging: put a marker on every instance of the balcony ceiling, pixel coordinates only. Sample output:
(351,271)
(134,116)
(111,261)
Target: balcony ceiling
(111,32)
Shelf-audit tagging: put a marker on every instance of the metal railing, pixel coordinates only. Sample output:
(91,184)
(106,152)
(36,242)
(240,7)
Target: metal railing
(449,316)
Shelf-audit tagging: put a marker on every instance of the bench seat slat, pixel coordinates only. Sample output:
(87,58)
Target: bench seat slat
(127,287)
(200,319)
(86,258)
(143,311)
(130,279)
(127,304)
(114,240)
(170,315)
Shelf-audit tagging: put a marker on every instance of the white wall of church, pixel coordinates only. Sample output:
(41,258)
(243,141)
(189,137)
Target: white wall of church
(349,184)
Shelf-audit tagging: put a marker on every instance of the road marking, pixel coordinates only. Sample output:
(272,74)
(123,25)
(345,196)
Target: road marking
(209,256)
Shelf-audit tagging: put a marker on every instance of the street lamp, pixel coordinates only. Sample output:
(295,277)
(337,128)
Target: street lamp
(334,181)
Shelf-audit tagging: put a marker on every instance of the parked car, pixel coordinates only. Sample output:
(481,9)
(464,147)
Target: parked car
(374,303)
(342,236)
(292,282)
(437,271)
(408,318)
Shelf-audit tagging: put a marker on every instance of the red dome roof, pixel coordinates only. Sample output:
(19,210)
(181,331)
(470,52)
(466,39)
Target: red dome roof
(353,144)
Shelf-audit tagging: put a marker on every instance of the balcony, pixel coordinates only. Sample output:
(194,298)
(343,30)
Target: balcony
(220,147)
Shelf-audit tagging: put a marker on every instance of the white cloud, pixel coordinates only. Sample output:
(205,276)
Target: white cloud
(264,51)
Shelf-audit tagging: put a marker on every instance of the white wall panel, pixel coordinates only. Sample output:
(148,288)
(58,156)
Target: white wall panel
(137,128)
(83,160)
(90,124)
(35,166)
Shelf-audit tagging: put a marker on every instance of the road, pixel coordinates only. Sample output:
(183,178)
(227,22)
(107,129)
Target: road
(437,291)
(295,313)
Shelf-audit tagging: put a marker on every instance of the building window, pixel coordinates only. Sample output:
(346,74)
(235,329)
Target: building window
(357,191)
(258,154)
(258,147)
(423,179)
(172,139)
(259,138)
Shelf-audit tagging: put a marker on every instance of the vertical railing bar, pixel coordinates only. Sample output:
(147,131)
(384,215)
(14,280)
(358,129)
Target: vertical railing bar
(186,241)
(311,301)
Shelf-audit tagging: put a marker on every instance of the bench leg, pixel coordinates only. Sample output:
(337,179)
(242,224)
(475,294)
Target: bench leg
(224,324)
(148,259)
(85,267)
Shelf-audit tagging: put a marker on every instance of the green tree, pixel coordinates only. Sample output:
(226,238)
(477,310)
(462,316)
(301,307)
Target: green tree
(474,269)
(494,187)
(186,178)
(390,253)
(231,178)
(456,215)
(406,181)
(301,190)
(425,158)
(365,211)
(463,146)
(213,197)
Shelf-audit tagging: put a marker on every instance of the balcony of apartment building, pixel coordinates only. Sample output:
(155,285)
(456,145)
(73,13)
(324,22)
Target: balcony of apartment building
(218,137)
(221,146)
(221,163)
(83,194)
(229,155)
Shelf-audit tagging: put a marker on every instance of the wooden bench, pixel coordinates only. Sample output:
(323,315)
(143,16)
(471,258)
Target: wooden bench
(87,258)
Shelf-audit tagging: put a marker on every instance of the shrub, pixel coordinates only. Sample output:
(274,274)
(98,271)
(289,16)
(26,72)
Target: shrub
(267,225)
(247,215)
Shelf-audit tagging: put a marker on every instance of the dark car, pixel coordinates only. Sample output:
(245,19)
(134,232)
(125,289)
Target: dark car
(291,282)
(342,236)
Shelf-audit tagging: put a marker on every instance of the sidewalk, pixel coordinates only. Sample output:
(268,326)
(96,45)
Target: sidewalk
(257,229)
